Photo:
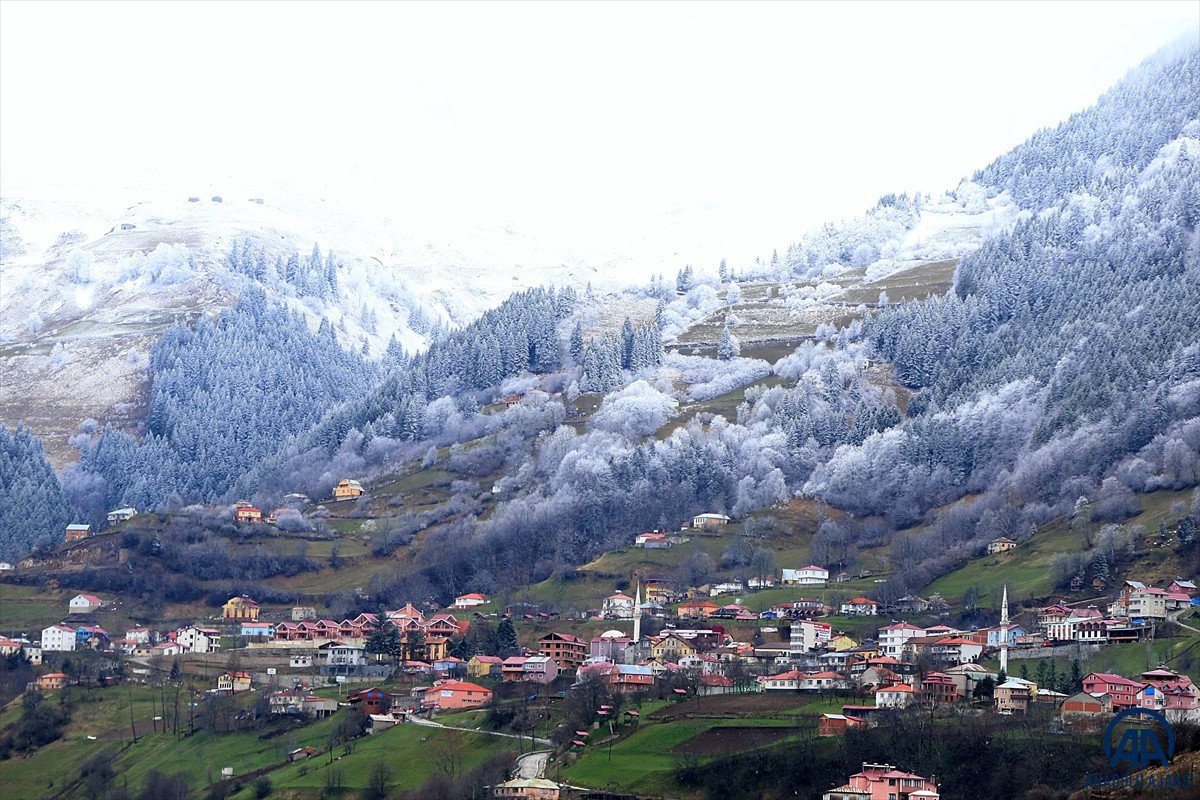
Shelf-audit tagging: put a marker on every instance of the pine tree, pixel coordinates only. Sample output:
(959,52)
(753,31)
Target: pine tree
(577,343)
(728,347)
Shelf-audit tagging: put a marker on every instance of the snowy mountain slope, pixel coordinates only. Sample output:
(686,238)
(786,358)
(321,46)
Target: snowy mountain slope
(92,275)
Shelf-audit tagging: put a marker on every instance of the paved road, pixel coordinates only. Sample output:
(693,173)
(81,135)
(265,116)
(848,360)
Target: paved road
(1175,615)
(431,724)
(532,765)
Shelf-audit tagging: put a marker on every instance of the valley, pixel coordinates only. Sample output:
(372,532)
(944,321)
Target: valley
(307,502)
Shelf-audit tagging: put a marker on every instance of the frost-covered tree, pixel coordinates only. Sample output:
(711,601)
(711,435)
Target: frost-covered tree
(33,507)
(728,347)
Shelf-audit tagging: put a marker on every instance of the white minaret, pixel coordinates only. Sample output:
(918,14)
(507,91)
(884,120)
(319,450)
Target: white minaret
(637,614)
(1004,632)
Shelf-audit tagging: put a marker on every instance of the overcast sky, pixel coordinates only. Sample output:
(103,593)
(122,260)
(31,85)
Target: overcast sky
(570,119)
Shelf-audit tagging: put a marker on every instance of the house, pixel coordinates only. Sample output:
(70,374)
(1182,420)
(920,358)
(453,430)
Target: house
(630,677)
(1121,691)
(53,680)
(302,613)
(1173,690)
(878,677)
(783,682)
(1186,587)
(892,638)
(652,541)
(484,666)
(812,575)
(860,607)
(899,695)
(609,646)
(714,684)
(453,695)
(198,640)
(938,688)
(1140,602)
(884,782)
(165,649)
(448,667)
(372,701)
(298,701)
(377,723)
(347,490)
(5,566)
(239,608)
(697,609)
(1084,706)
(78,531)
(258,630)
(617,606)
(319,707)
(470,600)
(248,514)
(807,635)
(513,668)
(671,647)
(121,515)
(1001,545)
(300,661)
(139,634)
(822,682)
(10,646)
(838,724)
(231,682)
(659,591)
(527,789)
(1012,696)
(540,669)
(342,658)
(968,676)
(301,753)
(568,650)
(85,604)
(703,521)
(58,638)
(954,649)
(995,635)
(843,642)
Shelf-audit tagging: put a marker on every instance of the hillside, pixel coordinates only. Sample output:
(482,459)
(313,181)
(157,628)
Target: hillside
(1029,572)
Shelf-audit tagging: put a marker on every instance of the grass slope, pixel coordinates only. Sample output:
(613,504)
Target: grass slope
(1026,570)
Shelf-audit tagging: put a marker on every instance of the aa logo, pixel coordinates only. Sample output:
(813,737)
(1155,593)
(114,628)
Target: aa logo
(1139,746)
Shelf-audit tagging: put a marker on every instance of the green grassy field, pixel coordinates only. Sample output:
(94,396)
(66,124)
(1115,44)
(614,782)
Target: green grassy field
(412,753)
(644,761)
(105,715)
(1123,659)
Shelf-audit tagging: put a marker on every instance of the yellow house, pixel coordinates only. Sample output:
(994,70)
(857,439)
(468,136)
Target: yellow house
(484,666)
(240,608)
(840,643)
(347,490)
(671,648)
(866,651)
(436,648)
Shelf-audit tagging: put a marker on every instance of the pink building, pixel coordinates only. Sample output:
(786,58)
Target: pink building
(884,782)
(1123,691)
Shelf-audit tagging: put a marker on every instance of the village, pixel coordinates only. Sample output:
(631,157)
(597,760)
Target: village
(418,663)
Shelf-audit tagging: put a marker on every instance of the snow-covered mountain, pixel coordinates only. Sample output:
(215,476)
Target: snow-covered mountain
(91,276)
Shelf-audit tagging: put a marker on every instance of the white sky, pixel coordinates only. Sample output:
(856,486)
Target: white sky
(576,121)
